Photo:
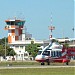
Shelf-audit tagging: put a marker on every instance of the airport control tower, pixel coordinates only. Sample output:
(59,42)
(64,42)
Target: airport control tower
(15,29)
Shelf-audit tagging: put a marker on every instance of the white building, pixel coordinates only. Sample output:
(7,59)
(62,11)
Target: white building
(17,39)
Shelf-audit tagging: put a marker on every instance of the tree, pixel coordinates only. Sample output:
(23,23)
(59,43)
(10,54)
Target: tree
(32,49)
(2,51)
(66,45)
(2,41)
(2,46)
(10,52)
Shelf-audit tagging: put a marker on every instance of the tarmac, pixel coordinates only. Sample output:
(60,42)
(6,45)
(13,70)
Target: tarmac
(36,66)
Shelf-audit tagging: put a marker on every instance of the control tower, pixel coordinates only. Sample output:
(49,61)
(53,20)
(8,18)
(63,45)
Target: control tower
(15,30)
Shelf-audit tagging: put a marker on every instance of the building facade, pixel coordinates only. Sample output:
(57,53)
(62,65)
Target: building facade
(17,39)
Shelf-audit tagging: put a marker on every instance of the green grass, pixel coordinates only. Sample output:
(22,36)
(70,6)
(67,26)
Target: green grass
(38,71)
(19,63)
(15,63)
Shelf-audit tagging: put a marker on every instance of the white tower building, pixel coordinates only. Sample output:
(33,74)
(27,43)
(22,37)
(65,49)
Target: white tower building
(16,38)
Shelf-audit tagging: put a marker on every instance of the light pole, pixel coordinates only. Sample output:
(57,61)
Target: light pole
(73,35)
(73,31)
(73,40)
(5,48)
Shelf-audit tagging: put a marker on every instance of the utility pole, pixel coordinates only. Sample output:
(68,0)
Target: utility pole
(73,35)
(5,48)
(73,41)
(73,31)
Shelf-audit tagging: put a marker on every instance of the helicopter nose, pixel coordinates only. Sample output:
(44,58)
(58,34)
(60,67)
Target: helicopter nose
(38,57)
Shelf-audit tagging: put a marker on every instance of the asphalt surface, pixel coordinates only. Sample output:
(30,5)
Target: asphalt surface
(35,66)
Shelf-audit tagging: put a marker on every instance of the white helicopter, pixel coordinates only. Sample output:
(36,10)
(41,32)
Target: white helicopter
(54,52)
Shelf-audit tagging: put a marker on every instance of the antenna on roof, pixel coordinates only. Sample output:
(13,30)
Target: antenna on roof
(51,27)
(51,19)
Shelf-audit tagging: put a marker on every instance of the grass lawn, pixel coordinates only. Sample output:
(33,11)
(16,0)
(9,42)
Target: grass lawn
(14,63)
(19,63)
(39,71)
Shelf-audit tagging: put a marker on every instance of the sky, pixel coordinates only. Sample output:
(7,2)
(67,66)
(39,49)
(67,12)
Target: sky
(37,14)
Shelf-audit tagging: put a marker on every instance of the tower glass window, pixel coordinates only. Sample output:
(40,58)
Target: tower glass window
(20,23)
(12,23)
(8,23)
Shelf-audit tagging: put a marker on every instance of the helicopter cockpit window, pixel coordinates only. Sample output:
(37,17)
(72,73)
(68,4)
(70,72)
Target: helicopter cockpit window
(46,53)
(39,52)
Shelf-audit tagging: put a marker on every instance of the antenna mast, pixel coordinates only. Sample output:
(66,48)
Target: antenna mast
(51,28)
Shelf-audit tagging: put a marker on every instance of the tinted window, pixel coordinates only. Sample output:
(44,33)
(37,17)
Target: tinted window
(39,52)
(8,23)
(55,53)
(46,53)
(12,23)
(19,23)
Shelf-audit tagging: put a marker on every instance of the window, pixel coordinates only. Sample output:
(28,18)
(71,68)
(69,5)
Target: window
(55,53)
(16,47)
(18,54)
(25,54)
(21,47)
(8,23)
(12,23)
(46,53)
(60,54)
(19,23)
(13,36)
(20,51)
(39,52)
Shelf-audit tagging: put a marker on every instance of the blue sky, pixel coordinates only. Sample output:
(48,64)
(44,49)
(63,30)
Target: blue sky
(37,15)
